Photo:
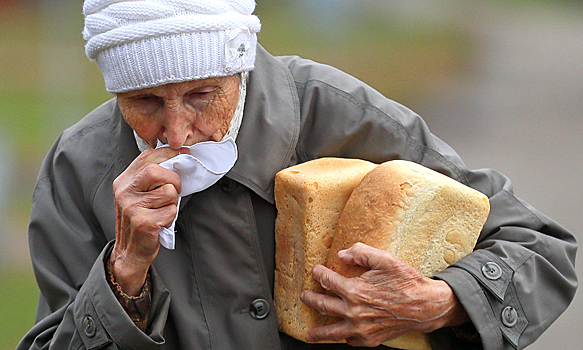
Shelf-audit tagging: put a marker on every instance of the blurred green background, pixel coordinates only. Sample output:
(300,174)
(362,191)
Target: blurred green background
(420,53)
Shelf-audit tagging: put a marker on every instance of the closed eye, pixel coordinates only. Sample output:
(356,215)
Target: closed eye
(146,103)
(145,97)
(201,91)
(202,97)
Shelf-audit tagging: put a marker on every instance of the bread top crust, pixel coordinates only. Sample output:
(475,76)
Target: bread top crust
(326,170)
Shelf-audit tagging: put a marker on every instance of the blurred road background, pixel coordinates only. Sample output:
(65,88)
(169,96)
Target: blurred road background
(501,81)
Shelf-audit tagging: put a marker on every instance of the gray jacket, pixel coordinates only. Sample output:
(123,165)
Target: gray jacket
(514,285)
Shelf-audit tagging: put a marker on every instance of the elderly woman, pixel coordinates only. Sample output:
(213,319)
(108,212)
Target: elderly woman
(185,157)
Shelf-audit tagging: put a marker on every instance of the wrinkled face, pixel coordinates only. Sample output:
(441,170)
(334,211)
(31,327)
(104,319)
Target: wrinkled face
(182,114)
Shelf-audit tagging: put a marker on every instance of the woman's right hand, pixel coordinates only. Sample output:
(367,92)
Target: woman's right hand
(145,198)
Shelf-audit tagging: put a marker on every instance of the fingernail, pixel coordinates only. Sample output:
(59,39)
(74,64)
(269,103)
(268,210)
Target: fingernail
(342,253)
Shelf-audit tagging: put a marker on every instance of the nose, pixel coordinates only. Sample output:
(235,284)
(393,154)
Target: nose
(178,126)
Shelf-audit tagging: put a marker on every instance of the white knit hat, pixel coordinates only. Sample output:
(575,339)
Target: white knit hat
(145,43)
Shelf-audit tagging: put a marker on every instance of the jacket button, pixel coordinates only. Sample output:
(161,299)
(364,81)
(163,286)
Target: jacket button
(509,316)
(89,326)
(492,271)
(259,309)
(227,184)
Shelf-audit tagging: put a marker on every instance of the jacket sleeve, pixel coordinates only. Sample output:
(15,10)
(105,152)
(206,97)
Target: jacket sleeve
(76,308)
(520,277)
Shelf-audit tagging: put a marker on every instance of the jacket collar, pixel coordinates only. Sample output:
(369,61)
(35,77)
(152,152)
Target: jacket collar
(270,128)
(268,135)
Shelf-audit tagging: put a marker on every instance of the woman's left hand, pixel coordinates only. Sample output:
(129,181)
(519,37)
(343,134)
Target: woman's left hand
(381,304)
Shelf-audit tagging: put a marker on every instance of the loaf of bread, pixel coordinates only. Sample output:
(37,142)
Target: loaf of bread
(426,219)
(309,198)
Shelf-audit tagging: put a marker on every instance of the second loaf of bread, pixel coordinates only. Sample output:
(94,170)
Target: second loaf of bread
(428,220)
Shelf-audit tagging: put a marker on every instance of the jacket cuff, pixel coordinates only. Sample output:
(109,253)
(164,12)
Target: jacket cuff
(100,319)
(483,284)
(137,307)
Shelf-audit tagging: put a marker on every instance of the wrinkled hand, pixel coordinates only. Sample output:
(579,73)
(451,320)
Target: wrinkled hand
(145,198)
(381,304)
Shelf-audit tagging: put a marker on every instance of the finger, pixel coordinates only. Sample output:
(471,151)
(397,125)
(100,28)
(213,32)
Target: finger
(366,256)
(166,215)
(160,155)
(159,197)
(150,221)
(335,332)
(154,156)
(332,281)
(375,338)
(146,158)
(153,176)
(325,304)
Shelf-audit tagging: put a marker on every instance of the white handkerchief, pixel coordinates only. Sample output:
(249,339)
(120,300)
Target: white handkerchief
(199,170)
